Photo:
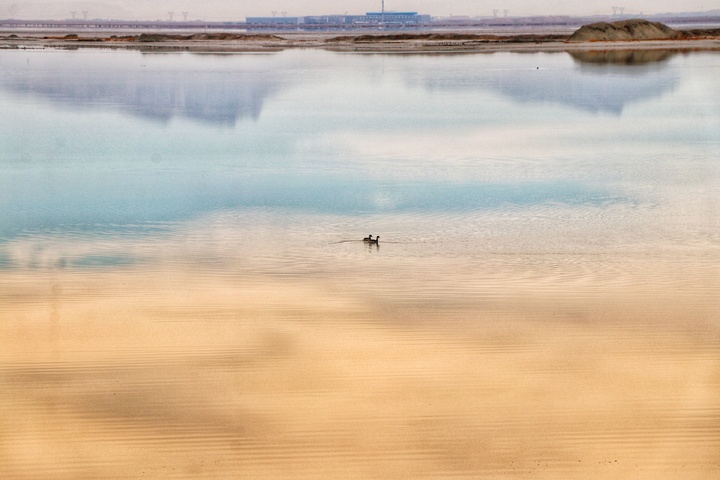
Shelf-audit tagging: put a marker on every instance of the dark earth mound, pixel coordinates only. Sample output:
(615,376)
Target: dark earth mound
(635,29)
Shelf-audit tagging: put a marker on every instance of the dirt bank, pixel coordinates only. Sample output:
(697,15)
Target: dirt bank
(631,34)
(635,30)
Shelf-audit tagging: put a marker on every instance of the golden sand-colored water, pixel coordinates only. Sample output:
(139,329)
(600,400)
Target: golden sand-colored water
(184,292)
(179,373)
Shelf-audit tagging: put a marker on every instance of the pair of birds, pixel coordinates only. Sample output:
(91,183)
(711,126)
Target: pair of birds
(369,239)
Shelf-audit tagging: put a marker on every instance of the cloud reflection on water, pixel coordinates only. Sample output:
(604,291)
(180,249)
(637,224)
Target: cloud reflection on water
(598,82)
(153,86)
(158,87)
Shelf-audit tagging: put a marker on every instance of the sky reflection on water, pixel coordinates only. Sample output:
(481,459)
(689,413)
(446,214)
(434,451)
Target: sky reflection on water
(99,139)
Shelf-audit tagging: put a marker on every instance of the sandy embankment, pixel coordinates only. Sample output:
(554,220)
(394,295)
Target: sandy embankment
(620,35)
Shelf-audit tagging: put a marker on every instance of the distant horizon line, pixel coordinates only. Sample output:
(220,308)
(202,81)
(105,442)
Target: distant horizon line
(240,19)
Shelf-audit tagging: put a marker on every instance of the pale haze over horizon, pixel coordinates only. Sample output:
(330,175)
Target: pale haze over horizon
(239,9)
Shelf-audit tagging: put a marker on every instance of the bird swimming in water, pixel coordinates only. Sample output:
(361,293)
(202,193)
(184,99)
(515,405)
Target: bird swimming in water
(368,239)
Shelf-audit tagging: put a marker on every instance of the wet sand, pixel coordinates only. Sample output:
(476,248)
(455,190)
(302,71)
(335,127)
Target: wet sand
(181,373)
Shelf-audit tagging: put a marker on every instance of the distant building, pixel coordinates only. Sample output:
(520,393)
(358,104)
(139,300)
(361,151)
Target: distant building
(275,20)
(395,17)
(370,18)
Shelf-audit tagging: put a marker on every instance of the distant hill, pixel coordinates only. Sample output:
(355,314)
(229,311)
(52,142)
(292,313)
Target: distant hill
(706,13)
(634,29)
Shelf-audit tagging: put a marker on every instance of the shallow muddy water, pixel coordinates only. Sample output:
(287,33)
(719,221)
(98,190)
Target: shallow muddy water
(184,290)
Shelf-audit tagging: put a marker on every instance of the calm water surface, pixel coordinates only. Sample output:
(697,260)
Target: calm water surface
(184,292)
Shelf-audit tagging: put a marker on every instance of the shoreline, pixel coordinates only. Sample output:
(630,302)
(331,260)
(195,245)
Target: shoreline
(448,42)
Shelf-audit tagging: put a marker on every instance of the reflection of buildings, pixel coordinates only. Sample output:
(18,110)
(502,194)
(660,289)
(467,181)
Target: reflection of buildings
(370,19)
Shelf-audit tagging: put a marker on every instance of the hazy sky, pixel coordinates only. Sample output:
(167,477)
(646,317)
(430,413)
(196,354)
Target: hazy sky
(238,9)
